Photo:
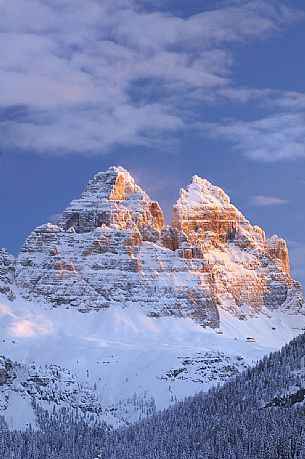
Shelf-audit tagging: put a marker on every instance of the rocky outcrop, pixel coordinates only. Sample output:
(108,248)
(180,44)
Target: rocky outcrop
(111,247)
(7,273)
(6,370)
(40,384)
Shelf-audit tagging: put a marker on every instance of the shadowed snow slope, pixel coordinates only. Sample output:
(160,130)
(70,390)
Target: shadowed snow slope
(120,358)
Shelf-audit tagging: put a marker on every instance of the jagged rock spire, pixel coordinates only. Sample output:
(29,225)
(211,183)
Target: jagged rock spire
(112,198)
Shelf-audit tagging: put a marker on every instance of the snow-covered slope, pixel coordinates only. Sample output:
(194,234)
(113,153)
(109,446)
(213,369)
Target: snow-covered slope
(123,364)
(258,415)
(132,315)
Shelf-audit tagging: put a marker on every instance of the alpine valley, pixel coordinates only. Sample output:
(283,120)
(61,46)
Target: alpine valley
(113,315)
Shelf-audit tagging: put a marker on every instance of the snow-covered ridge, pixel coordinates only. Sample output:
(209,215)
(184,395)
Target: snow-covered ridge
(202,192)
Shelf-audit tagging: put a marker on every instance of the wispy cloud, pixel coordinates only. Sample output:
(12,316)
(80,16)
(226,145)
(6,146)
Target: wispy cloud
(26,325)
(83,76)
(25,328)
(266,97)
(273,138)
(266,201)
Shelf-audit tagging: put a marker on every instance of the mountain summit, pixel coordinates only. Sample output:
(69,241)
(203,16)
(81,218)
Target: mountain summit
(111,247)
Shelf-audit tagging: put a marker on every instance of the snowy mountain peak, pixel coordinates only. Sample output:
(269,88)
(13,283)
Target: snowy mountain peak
(111,248)
(201,192)
(115,184)
(112,198)
(206,210)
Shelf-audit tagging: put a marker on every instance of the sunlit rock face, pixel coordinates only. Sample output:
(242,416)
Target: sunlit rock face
(113,198)
(111,247)
(7,273)
(248,272)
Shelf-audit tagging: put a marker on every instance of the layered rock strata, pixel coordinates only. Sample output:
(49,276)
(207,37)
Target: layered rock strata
(111,247)
(7,274)
(248,271)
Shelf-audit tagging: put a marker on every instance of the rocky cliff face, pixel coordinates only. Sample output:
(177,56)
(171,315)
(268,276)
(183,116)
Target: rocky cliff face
(6,372)
(111,247)
(113,199)
(7,273)
(247,270)
(48,383)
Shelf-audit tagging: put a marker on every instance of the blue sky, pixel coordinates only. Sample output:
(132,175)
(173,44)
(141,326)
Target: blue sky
(167,89)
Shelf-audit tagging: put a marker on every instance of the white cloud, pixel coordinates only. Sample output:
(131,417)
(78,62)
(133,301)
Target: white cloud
(273,138)
(77,67)
(290,100)
(266,97)
(26,324)
(266,201)
(87,129)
